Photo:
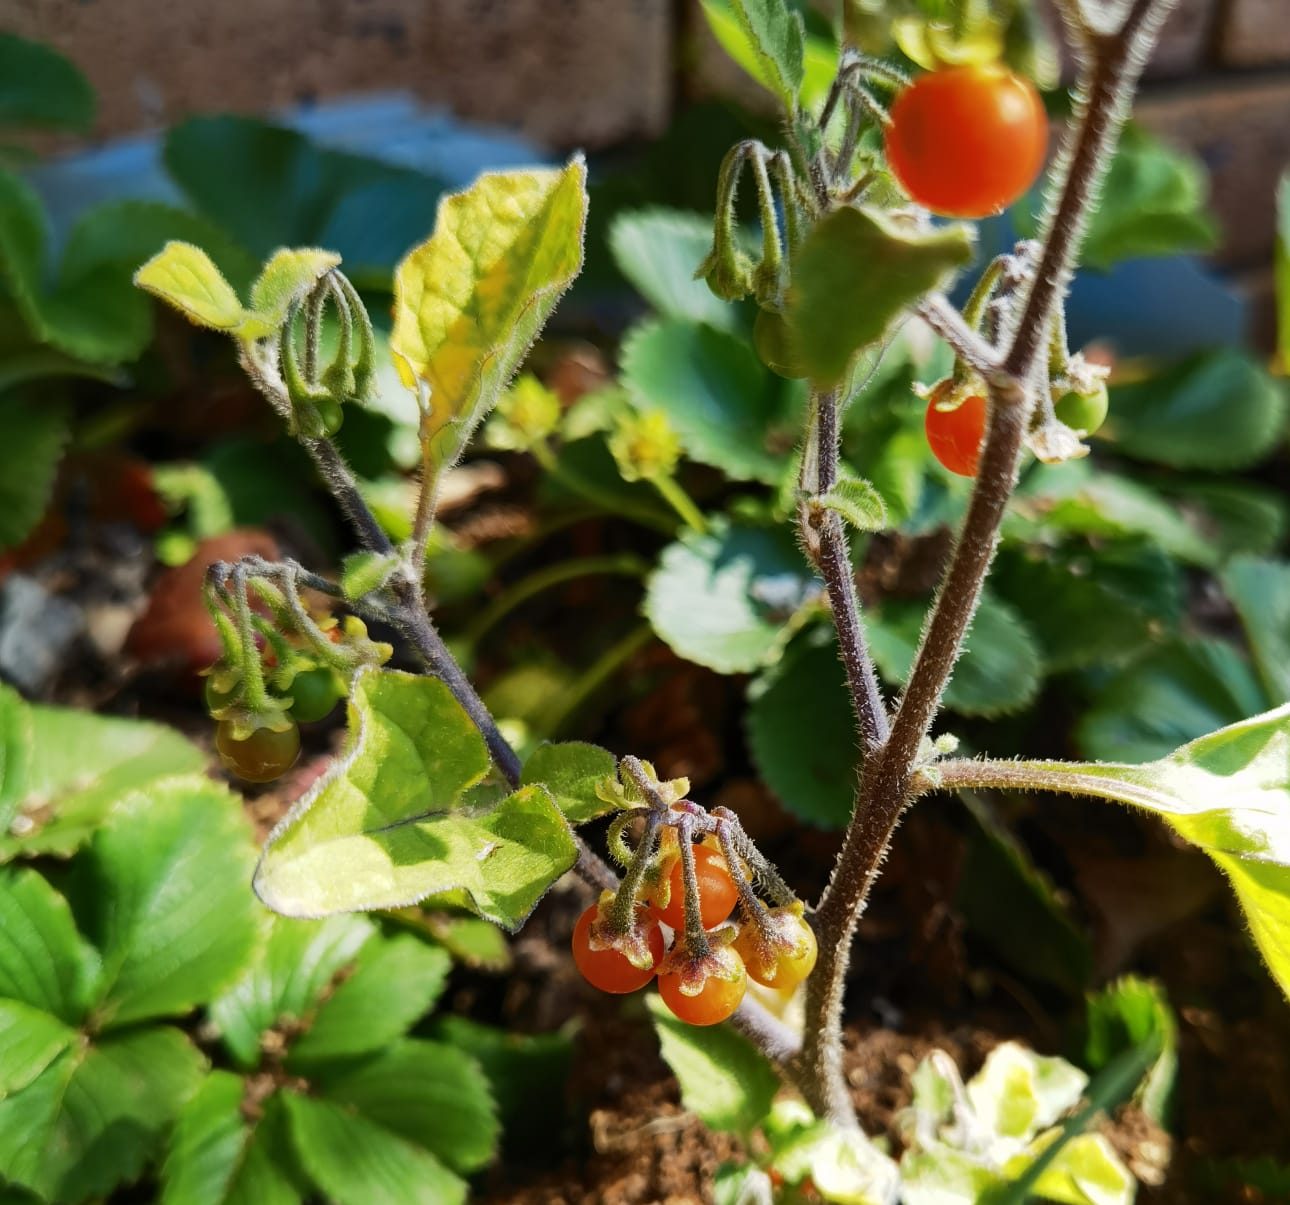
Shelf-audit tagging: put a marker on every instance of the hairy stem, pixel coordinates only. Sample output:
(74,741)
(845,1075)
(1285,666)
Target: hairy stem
(839,578)
(888,784)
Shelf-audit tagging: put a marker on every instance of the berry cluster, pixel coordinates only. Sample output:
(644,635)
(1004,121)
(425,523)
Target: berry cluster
(281,666)
(693,890)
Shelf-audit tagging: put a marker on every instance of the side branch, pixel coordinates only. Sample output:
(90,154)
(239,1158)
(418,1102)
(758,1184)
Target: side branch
(839,578)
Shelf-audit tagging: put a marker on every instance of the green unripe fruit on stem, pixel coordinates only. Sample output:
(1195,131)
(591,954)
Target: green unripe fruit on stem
(314,694)
(774,343)
(221,691)
(1084,412)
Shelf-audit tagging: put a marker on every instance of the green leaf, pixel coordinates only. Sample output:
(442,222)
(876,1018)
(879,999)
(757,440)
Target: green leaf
(658,250)
(1097,605)
(1129,1013)
(521,1068)
(724,598)
(858,503)
(353,1161)
(171,914)
(469,301)
(34,438)
(777,36)
(1260,591)
(90,308)
(1017,1092)
(217,1157)
(819,57)
(388,826)
(1153,203)
(44,961)
(97,1114)
(284,982)
(569,771)
(1218,410)
(1281,269)
(1107,505)
(1007,900)
(471,941)
(1174,693)
(287,277)
(186,278)
(270,187)
(854,274)
(394,983)
(725,1081)
(39,87)
(801,734)
(1238,516)
(94,324)
(998,672)
(728,409)
(31,1039)
(425,1092)
(1227,793)
(62,800)
(366,572)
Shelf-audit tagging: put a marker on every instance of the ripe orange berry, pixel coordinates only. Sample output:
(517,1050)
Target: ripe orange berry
(955,436)
(609,970)
(715,1001)
(717,892)
(967,141)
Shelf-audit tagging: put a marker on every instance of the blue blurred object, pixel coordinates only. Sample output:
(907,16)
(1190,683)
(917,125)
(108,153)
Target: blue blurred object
(391,127)
(1163,308)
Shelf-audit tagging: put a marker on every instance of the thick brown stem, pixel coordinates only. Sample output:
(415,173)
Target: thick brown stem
(887,785)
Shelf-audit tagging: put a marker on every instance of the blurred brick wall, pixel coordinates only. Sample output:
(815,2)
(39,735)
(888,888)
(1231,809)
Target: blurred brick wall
(596,72)
(1221,87)
(567,72)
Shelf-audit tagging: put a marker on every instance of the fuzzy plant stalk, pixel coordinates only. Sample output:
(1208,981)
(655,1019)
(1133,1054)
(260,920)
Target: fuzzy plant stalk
(1113,50)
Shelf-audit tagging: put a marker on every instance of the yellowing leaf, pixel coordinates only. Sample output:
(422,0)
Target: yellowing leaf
(186,277)
(469,302)
(392,821)
(289,274)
